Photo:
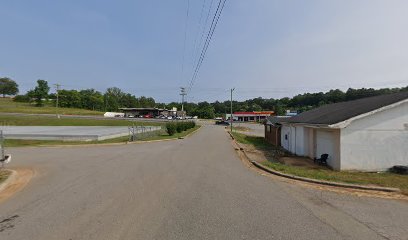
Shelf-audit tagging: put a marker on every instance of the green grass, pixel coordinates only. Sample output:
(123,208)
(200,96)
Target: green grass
(53,121)
(258,142)
(241,129)
(8,105)
(384,179)
(35,143)
(4,174)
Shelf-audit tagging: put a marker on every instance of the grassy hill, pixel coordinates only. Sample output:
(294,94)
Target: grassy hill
(7,105)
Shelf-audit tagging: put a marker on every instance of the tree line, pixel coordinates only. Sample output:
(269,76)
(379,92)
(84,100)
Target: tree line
(111,100)
(298,103)
(114,98)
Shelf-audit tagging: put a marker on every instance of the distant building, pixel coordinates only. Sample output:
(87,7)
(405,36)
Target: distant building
(137,112)
(250,116)
(291,113)
(151,112)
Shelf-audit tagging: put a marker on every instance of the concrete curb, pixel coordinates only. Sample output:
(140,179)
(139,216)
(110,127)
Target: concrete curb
(310,180)
(9,180)
(334,184)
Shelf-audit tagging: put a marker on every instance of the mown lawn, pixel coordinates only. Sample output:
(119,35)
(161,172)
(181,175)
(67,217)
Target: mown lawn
(258,142)
(6,120)
(384,179)
(34,143)
(8,105)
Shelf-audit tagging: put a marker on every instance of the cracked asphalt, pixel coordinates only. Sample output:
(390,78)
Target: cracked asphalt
(195,188)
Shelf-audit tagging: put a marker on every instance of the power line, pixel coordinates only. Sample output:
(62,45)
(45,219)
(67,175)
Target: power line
(196,51)
(185,38)
(210,33)
(206,44)
(196,47)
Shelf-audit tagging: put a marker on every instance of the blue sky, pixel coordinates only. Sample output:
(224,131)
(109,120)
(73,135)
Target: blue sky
(262,48)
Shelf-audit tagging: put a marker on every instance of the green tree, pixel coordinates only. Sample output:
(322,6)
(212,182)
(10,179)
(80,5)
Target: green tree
(91,99)
(112,98)
(8,87)
(69,98)
(279,110)
(40,92)
(146,101)
(204,110)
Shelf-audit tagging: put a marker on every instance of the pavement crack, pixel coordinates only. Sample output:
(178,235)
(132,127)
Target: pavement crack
(7,223)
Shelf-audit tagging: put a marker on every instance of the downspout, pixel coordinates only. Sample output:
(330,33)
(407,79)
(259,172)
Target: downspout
(295,141)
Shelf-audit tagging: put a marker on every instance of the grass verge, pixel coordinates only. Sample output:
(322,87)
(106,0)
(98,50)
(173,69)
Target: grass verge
(384,179)
(4,174)
(53,121)
(241,129)
(257,142)
(8,105)
(36,143)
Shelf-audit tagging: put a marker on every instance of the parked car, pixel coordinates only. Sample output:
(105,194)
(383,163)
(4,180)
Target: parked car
(170,118)
(222,123)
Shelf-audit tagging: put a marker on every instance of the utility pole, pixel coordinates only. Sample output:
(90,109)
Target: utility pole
(2,145)
(231,117)
(182,93)
(57,87)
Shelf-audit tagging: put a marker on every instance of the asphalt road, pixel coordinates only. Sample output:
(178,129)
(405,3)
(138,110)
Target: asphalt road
(196,188)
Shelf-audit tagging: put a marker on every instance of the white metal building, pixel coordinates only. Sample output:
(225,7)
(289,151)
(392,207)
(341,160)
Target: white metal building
(369,134)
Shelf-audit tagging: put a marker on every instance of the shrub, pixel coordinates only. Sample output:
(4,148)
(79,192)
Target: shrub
(180,127)
(171,128)
(21,98)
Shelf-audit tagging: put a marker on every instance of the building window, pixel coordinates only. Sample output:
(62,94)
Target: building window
(286,136)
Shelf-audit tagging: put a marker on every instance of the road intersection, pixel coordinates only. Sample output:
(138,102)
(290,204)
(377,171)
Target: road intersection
(194,188)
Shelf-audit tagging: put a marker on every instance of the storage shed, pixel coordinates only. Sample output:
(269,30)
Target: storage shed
(369,134)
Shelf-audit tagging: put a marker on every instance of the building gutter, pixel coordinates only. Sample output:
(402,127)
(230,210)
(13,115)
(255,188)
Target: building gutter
(307,125)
